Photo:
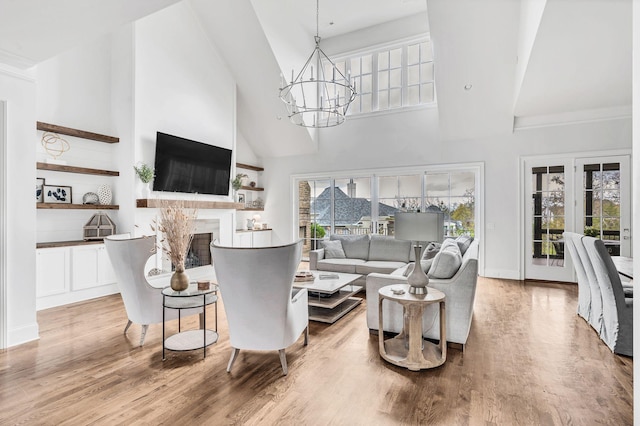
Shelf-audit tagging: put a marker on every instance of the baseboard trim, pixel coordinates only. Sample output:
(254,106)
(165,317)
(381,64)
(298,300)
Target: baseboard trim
(501,273)
(24,334)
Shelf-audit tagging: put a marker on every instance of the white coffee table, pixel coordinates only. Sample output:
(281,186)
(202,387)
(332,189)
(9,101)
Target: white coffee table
(330,299)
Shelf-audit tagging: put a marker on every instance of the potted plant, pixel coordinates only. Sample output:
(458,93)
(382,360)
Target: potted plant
(146,174)
(236,184)
(317,233)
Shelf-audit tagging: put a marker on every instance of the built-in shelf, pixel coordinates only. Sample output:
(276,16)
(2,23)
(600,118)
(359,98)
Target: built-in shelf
(251,188)
(249,167)
(160,202)
(74,169)
(75,132)
(62,206)
(67,243)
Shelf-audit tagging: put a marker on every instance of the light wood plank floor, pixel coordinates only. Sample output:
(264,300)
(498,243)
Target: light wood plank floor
(530,360)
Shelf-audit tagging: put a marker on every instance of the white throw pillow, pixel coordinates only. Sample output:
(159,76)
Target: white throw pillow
(426,265)
(332,249)
(446,263)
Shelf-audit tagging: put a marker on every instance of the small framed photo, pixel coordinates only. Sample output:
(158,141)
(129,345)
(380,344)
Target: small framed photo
(39,185)
(56,194)
(241,198)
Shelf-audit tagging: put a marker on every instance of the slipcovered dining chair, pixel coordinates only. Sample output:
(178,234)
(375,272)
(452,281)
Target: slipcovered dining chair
(595,308)
(584,289)
(263,310)
(617,311)
(142,301)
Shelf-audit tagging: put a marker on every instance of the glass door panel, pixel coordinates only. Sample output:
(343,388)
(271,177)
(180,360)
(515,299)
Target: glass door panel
(352,206)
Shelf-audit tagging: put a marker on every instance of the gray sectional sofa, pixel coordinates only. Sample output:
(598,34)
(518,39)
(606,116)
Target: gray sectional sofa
(361,254)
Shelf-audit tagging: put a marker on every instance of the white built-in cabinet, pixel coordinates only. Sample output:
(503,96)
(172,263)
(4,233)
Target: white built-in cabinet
(257,238)
(72,274)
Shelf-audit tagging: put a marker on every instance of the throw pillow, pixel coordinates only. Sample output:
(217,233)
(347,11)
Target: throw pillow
(332,249)
(355,246)
(431,251)
(446,263)
(383,247)
(464,242)
(426,265)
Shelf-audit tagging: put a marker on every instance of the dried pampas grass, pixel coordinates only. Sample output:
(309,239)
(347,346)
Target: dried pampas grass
(176,222)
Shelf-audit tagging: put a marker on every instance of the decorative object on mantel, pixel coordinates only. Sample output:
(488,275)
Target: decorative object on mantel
(146,174)
(236,184)
(55,146)
(99,226)
(241,198)
(257,203)
(105,195)
(256,221)
(252,184)
(177,223)
(56,194)
(249,224)
(320,100)
(90,198)
(39,190)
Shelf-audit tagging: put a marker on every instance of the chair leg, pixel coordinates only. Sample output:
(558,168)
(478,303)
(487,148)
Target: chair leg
(306,336)
(234,354)
(127,326)
(143,333)
(283,361)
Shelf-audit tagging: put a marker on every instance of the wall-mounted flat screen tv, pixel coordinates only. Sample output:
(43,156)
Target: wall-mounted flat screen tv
(184,165)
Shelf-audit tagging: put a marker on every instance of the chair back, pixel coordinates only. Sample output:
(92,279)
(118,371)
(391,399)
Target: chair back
(584,289)
(610,288)
(255,285)
(129,257)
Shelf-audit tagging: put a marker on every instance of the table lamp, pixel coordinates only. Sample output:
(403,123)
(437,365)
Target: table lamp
(419,227)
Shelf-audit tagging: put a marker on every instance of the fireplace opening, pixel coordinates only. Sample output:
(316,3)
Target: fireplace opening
(199,253)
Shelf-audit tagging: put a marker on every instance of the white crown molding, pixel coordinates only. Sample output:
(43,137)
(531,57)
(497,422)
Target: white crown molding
(8,70)
(573,117)
(18,61)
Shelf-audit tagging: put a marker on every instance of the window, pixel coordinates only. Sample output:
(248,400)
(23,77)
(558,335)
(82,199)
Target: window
(367,204)
(391,77)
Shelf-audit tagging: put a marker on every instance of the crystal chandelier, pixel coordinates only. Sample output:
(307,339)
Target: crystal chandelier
(321,99)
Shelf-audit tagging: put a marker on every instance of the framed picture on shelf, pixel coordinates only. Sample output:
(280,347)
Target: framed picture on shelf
(56,194)
(241,198)
(39,185)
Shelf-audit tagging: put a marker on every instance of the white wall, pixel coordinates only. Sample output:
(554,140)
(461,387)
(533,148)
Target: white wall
(411,139)
(17,89)
(182,87)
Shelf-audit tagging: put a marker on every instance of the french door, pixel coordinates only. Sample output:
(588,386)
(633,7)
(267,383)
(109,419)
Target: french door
(589,196)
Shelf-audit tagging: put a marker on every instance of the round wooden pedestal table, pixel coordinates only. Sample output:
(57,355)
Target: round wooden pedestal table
(408,349)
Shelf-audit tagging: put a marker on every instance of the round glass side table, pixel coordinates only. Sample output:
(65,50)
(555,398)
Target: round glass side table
(189,299)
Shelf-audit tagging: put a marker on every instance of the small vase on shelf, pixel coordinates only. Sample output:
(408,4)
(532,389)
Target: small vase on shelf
(146,190)
(179,279)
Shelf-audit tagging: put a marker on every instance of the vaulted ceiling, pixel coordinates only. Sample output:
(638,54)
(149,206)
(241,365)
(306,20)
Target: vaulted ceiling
(528,62)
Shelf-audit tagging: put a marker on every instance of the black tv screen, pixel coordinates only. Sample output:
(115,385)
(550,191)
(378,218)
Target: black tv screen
(184,165)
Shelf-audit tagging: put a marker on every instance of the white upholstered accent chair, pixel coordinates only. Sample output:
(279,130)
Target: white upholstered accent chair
(263,310)
(142,301)
(617,310)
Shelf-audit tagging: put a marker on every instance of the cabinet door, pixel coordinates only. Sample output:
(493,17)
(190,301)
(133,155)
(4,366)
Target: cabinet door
(261,238)
(52,271)
(242,239)
(84,267)
(106,275)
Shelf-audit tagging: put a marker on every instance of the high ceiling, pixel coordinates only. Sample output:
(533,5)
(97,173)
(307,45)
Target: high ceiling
(525,60)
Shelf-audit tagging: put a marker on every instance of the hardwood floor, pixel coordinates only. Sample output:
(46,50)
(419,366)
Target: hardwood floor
(530,360)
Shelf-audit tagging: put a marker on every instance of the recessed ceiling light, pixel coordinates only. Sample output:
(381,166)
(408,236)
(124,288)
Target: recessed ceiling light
(467,87)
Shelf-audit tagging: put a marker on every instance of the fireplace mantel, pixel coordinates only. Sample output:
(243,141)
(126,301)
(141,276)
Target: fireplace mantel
(201,205)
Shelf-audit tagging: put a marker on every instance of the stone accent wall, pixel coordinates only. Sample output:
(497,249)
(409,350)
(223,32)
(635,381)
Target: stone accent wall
(304,213)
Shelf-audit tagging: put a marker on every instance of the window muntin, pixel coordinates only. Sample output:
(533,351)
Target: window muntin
(392,77)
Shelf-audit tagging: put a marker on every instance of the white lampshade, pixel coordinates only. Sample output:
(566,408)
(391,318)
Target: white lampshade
(424,226)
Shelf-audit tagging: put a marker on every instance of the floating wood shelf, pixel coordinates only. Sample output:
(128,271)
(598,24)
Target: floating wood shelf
(74,169)
(204,205)
(67,243)
(75,132)
(251,188)
(249,167)
(62,206)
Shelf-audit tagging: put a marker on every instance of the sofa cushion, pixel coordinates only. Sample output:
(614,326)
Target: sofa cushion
(464,242)
(446,263)
(431,250)
(332,249)
(339,265)
(354,246)
(383,247)
(380,266)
